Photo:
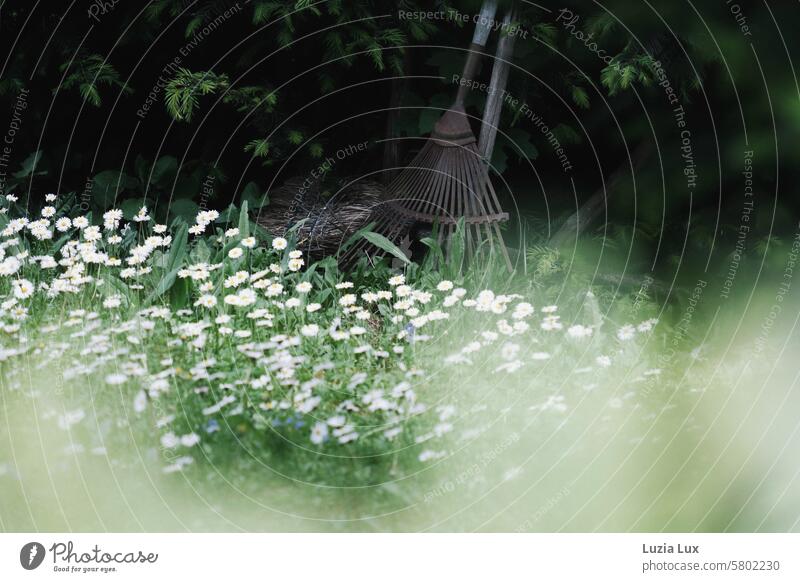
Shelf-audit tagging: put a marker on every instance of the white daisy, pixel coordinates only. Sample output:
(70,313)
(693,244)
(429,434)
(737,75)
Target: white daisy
(319,433)
(603,361)
(63,224)
(522,310)
(310,330)
(116,379)
(23,288)
(579,331)
(626,332)
(208,301)
(112,302)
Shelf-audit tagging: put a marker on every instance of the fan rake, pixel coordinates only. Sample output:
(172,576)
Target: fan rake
(447,183)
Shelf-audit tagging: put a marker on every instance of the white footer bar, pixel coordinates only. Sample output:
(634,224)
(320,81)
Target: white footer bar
(373,557)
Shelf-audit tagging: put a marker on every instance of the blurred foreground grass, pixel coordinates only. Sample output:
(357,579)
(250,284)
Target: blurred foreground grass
(707,443)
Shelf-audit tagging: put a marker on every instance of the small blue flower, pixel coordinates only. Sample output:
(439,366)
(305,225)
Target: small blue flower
(212,426)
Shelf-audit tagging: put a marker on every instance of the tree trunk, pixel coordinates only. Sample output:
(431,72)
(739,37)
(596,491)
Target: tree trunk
(392,151)
(594,206)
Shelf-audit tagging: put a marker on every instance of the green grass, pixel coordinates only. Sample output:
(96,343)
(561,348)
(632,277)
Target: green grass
(128,415)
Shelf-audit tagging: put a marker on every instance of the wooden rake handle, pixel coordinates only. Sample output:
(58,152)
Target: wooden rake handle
(482,29)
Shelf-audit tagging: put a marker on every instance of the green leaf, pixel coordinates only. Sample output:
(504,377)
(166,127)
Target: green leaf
(331,270)
(119,287)
(177,253)
(167,281)
(88,73)
(307,4)
(436,254)
(184,207)
(187,187)
(107,186)
(354,238)
(228,215)
(193,25)
(200,252)
(315,149)
(29,165)
(500,159)
(180,293)
(628,73)
(580,97)
(457,246)
(262,11)
(261,232)
(181,92)
(244,221)
(140,167)
(385,244)
(164,170)
(259,147)
(521,143)
(566,134)
(130,207)
(160,260)
(253,195)
(323,295)
(58,244)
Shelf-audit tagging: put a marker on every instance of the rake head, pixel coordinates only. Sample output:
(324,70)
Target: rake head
(445,183)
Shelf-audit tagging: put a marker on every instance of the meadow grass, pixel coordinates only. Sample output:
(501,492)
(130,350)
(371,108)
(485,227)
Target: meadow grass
(205,377)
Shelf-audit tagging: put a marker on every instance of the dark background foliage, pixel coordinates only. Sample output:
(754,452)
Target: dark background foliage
(266,90)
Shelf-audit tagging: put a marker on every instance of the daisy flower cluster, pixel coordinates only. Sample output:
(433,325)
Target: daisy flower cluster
(214,335)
